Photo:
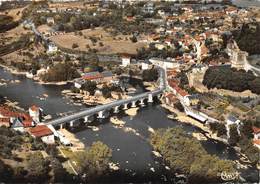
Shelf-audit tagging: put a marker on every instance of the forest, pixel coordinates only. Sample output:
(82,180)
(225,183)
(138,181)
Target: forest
(225,77)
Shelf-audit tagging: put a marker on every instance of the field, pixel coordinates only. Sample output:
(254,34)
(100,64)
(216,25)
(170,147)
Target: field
(103,42)
(16,13)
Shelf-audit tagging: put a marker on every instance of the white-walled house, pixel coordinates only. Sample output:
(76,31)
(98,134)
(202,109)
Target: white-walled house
(35,113)
(256,139)
(145,65)
(52,48)
(43,132)
(232,120)
(190,100)
(126,60)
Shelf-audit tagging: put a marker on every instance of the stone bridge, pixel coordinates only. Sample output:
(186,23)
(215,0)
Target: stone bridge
(116,106)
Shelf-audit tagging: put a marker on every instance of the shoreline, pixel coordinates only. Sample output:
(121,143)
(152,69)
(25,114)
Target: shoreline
(183,118)
(35,79)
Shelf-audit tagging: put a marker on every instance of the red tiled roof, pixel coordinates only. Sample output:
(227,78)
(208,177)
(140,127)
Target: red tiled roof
(256,141)
(173,83)
(92,77)
(40,131)
(181,92)
(171,72)
(256,130)
(27,123)
(4,120)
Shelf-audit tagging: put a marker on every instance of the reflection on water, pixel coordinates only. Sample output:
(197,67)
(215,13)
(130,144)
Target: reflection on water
(246,3)
(131,150)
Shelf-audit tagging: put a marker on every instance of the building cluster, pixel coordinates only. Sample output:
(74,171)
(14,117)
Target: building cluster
(98,77)
(27,122)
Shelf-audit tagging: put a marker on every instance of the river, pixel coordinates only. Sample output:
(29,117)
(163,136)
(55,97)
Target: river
(246,3)
(131,150)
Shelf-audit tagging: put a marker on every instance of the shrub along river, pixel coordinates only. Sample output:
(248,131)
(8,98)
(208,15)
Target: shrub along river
(130,145)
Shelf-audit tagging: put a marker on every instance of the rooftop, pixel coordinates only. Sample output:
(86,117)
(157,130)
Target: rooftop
(40,131)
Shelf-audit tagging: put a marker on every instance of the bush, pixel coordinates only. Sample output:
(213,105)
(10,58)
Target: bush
(90,86)
(150,75)
(61,72)
(218,128)
(75,45)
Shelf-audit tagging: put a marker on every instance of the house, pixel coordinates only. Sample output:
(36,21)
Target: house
(5,122)
(43,132)
(107,76)
(148,8)
(191,100)
(52,48)
(92,76)
(256,139)
(159,46)
(145,65)
(256,132)
(50,20)
(35,113)
(170,99)
(231,120)
(181,94)
(17,124)
(126,59)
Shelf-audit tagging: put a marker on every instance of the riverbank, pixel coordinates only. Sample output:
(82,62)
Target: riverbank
(34,78)
(183,118)
(77,145)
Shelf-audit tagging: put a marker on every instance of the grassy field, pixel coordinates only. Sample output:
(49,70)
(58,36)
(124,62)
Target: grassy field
(15,13)
(105,43)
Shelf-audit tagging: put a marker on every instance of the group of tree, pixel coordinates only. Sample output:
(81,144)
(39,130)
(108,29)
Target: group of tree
(150,75)
(34,168)
(22,42)
(152,51)
(243,139)
(237,80)
(186,155)
(7,23)
(90,86)
(61,72)
(218,128)
(94,162)
(248,38)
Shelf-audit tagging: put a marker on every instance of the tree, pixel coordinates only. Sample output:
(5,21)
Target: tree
(185,154)
(238,80)
(89,86)
(59,173)
(37,167)
(218,128)
(246,129)
(61,72)
(150,75)
(249,149)
(75,45)
(133,39)
(234,136)
(95,161)
(5,172)
(106,91)
(179,106)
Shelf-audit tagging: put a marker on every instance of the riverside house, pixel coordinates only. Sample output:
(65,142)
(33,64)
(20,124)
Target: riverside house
(43,132)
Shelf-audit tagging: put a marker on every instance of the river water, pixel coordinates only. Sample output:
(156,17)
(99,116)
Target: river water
(246,3)
(131,150)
